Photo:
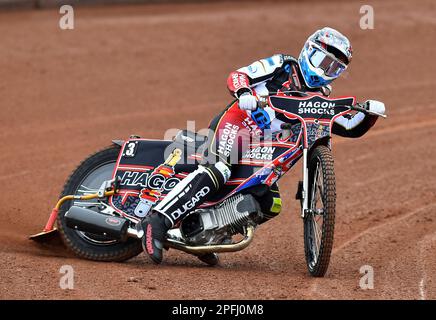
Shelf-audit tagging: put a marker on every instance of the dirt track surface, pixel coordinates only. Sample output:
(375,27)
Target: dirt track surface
(143,69)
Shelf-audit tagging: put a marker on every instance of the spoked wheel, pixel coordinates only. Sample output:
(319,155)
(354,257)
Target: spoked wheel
(87,179)
(319,222)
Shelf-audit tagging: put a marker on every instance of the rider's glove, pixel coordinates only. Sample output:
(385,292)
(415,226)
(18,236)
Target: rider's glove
(247,101)
(375,107)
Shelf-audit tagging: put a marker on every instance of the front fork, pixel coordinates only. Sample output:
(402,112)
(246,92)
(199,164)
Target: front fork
(305,191)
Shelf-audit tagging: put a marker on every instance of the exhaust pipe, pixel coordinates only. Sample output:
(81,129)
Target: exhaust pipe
(118,228)
(249,234)
(86,220)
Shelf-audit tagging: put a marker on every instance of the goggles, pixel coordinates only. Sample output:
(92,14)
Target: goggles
(320,58)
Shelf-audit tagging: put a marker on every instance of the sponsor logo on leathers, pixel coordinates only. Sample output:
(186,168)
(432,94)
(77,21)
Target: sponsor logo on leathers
(227,139)
(190,204)
(239,81)
(252,127)
(149,239)
(259,153)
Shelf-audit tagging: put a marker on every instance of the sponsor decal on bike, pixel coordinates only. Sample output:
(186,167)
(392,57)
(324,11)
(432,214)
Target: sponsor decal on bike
(260,153)
(317,107)
(113,221)
(227,139)
(130,149)
(190,203)
(148,180)
(160,178)
(316,131)
(152,183)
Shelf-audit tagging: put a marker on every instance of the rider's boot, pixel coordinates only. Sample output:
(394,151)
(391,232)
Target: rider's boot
(155,227)
(211,259)
(187,195)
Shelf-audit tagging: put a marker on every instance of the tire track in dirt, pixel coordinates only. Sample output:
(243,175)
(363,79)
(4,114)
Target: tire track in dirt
(394,269)
(427,250)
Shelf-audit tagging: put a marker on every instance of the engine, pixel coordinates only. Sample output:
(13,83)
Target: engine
(220,223)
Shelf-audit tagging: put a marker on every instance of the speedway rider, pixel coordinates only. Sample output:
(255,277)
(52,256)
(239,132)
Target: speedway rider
(324,57)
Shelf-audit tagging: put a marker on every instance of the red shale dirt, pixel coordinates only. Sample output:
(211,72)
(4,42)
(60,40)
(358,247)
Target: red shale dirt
(143,69)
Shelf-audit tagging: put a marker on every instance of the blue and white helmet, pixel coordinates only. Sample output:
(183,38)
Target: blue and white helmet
(325,55)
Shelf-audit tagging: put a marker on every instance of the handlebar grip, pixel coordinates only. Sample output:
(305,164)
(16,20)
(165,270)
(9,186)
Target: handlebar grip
(262,103)
(357,107)
(365,111)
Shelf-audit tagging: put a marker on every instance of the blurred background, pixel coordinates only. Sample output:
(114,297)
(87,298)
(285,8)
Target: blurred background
(146,67)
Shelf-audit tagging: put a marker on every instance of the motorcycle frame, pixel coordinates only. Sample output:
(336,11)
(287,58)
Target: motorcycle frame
(304,138)
(284,161)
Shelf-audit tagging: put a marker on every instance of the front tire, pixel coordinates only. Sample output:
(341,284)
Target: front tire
(87,178)
(319,223)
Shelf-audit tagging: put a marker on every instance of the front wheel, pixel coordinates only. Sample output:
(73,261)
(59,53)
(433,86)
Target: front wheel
(319,221)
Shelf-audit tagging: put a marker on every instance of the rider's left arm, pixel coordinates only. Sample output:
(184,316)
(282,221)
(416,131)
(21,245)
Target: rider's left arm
(353,126)
(242,80)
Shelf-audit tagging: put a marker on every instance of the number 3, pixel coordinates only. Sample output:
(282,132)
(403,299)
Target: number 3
(131,148)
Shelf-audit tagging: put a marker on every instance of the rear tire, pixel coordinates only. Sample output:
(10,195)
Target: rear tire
(318,238)
(99,166)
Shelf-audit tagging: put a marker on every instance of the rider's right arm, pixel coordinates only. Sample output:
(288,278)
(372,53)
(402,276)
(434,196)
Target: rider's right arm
(243,79)
(353,126)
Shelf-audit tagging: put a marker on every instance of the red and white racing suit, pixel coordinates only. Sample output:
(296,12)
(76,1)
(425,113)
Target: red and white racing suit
(233,130)
(279,73)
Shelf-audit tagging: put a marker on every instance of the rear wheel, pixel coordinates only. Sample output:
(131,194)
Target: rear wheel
(319,222)
(86,179)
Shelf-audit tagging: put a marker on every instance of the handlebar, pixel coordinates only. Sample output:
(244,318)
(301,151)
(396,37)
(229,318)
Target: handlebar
(262,102)
(358,107)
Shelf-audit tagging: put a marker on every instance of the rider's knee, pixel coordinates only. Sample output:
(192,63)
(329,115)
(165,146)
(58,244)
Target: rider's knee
(271,204)
(273,209)
(219,171)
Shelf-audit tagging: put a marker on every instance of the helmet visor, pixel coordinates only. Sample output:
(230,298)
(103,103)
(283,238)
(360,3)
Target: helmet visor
(326,61)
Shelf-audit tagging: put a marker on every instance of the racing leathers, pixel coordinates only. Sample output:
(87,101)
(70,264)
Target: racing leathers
(281,73)
(236,125)
(231,132)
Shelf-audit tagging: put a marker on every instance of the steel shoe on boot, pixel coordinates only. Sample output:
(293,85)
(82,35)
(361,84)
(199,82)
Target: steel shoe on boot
(155,227)
(211,259)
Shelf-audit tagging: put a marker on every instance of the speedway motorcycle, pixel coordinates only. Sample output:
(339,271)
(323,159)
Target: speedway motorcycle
(107,195)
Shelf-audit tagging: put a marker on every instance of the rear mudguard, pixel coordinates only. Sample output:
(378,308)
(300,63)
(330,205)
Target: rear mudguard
(118,142)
